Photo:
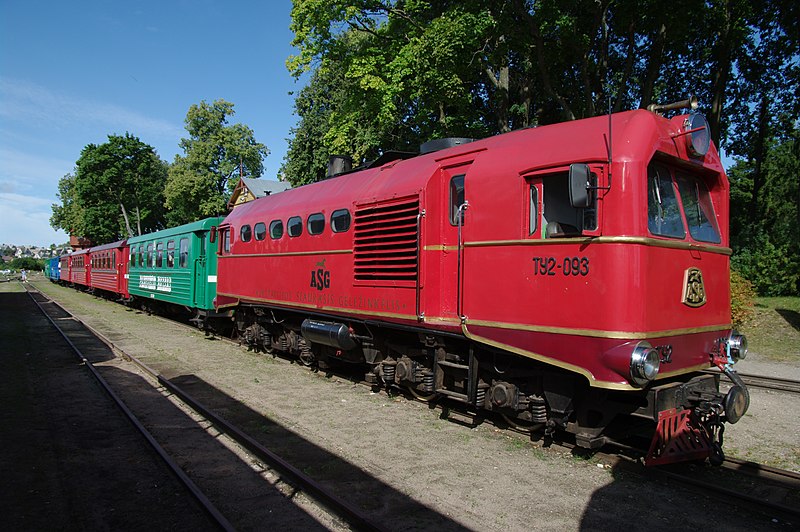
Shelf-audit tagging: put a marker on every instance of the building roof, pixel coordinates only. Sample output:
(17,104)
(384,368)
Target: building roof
(249,188)
(262,187)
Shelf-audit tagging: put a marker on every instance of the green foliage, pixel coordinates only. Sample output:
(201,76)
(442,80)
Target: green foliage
(742,299)
(391,74)
(69,215)
(767,244)
(773,269)
(26,263)
(200,181)
(115,192)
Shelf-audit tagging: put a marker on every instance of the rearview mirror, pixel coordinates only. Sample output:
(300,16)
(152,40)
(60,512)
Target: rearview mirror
(579,175)
(212,236)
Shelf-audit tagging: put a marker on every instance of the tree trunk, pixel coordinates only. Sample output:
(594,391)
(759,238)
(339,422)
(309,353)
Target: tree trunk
(759,152)
(127,221)
(653,66)
(719,77)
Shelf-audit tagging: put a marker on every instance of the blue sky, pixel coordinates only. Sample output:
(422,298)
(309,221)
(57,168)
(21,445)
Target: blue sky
(71,73)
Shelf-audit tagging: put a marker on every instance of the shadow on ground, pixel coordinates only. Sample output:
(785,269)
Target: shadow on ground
(792,317)
(382,502)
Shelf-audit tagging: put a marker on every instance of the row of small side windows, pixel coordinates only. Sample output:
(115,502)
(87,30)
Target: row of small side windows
(104,261)
(340,222)
(151,259)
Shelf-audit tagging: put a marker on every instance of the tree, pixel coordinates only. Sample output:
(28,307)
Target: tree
(767,249)
(200,182)
(410,71)
(115,192)
(69,215)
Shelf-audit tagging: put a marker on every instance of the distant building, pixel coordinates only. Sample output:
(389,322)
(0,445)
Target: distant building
(248,189)
(78,242)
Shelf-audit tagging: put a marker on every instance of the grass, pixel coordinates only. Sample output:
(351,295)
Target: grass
(773,333)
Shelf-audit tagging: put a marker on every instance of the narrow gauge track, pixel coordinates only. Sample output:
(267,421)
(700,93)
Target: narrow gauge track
(758,485)
(764,381)
(344,510)
(201,498)
(766,486)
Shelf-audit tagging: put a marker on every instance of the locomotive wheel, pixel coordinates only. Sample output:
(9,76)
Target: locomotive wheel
(307,358)
(421,396)
(527,426)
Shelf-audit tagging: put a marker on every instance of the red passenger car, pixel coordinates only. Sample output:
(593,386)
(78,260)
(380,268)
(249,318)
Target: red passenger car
(80,268)
(109,265)
(65,262)
(546,274)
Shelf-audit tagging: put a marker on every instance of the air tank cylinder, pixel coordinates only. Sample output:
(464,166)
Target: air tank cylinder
(328,333)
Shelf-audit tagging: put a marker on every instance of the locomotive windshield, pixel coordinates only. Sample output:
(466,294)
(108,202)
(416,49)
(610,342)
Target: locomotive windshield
(664,214)
(698,209)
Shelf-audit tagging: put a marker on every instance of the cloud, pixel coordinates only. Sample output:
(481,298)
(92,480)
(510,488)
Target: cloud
(25,102)
(26,221)
(21,172)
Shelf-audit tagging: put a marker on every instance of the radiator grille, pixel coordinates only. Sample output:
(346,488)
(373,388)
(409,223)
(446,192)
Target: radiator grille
(386,239)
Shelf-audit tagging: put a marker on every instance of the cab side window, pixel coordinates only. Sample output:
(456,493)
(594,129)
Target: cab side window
(457,199)
(533,215)
(559,219)
(226,241)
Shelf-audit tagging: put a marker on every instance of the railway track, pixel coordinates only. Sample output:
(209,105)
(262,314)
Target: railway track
(764,381)
(340,508)
(39,299)
(758,485)
(767,487)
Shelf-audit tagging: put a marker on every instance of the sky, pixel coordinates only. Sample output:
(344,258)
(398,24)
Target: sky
(72,73)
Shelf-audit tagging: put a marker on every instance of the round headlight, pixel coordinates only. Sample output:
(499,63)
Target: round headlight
(700,136)
(645,363)
(737,344)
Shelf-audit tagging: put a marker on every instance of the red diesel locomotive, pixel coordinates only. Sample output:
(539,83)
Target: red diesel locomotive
(545,274)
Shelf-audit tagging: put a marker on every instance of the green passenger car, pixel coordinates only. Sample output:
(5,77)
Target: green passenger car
(177,266)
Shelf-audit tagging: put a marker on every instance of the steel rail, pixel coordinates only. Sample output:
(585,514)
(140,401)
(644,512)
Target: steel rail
(352,515)
(754,469)
(764,381)
(201,498)
(760,502)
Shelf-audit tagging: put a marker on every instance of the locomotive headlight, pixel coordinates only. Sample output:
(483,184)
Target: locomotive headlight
(645,363)
(737,346)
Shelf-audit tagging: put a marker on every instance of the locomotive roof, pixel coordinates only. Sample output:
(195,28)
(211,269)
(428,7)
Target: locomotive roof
(200,225)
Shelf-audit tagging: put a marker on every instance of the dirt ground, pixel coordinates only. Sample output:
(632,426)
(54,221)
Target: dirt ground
(446,475)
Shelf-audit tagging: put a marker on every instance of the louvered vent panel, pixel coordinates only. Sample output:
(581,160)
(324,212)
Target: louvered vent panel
(385,249)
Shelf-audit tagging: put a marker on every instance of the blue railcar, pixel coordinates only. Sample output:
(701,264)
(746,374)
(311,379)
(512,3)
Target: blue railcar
(53,269)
